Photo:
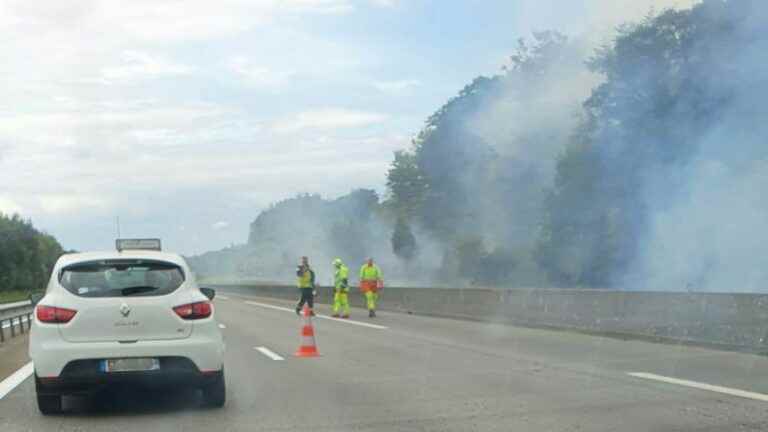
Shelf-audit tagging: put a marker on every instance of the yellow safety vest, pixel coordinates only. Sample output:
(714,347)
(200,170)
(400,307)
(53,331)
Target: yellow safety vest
(370,273)
(306,279)
(341,274)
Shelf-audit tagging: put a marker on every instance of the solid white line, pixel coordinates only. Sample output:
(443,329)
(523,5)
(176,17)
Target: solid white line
(349,321)
(269,353)
(16,378)
(269,306)
(345,321)
(222,326)
(701,386)
(222,297)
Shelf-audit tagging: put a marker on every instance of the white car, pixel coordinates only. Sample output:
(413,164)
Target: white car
(131,316)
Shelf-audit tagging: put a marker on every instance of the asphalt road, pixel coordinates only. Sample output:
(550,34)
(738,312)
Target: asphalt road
(431,374)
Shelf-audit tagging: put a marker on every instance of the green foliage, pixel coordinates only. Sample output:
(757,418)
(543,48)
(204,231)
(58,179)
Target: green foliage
(668,81)
(470,260)
(403,241)
(27,256)
(534,58)
(524,205)
(13,296)
(456,185)
(304,225)
(406,185)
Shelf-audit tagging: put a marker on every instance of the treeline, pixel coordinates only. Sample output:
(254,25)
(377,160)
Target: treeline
(351,227)
(640,164)
(679,93)
(26,255)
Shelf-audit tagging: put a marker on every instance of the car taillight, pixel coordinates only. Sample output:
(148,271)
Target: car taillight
(194,311)
(54,315)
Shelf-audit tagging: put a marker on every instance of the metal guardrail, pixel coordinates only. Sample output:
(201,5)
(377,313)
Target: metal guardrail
(15,316)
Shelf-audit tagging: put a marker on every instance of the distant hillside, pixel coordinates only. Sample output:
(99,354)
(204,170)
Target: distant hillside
(352,227)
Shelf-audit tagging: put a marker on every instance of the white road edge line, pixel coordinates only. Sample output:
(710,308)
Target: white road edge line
(269,353)
(345,321)
(701,386)
(16,378)
(222,297)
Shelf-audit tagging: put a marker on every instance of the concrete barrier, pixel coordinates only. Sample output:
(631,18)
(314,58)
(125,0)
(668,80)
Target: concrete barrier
(730,321)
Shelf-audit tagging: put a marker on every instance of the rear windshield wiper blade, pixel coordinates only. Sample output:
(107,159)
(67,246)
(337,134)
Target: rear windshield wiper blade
(137,290)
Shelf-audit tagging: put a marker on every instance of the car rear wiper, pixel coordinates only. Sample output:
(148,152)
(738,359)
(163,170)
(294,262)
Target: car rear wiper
(137,290)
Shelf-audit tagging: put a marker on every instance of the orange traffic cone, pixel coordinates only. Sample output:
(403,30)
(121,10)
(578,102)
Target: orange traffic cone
(308,347)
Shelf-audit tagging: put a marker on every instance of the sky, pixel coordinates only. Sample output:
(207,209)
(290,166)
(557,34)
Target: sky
(185,118)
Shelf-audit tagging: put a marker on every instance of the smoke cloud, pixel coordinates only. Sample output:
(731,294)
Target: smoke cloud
(710,234)
(695,213)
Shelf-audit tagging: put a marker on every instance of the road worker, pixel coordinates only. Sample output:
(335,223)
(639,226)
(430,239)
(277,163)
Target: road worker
(371,281)
(340,289)
(306,283)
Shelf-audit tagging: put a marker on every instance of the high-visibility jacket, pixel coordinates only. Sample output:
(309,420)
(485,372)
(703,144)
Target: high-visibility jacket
(341,278)
(306,277)
(370,273)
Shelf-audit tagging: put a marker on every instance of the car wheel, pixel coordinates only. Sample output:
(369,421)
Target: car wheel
(49,404)
(215,393)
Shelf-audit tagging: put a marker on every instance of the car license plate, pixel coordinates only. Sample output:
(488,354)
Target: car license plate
(130,365)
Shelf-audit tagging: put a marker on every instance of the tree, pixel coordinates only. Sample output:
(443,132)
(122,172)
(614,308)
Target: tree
(406,185)
(27,255)
(403,241)
(670,81)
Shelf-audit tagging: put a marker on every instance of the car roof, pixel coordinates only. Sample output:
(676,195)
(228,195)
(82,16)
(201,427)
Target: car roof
(73,258)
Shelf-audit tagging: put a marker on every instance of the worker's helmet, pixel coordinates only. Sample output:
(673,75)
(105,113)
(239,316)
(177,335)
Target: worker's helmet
(337,262)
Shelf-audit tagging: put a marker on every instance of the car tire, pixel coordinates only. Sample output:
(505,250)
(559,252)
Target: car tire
(49,404)
(215,393)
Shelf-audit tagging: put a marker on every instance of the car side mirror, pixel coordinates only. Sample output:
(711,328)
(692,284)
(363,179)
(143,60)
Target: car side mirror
(208,292)
(35,298)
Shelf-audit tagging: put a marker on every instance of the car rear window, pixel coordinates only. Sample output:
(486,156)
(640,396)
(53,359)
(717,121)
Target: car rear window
(121,278)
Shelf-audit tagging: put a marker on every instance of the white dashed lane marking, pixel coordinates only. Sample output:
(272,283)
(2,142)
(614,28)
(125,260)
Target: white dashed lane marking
(701,386)
(269,353)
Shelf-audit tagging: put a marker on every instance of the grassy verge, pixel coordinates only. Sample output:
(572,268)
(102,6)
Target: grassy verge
(13,296)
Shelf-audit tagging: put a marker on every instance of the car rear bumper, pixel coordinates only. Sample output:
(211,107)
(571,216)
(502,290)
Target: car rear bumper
(52,356)
(82,377)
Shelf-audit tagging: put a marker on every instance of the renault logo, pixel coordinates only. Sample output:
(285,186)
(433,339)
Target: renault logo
(125,310)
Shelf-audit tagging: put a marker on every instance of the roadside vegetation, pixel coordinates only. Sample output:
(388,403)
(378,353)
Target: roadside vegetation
(639,164)
(26,258)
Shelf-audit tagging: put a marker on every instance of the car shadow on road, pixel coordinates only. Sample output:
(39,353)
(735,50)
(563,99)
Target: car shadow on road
(127,400)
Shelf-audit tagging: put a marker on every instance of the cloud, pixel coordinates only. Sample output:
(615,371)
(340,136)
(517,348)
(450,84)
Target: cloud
(140,65)
(220,225)
(100,125)
(329,118)
(9,207)
(58,204)
(398,86)
(257,76)
(150,20)
(385,3)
